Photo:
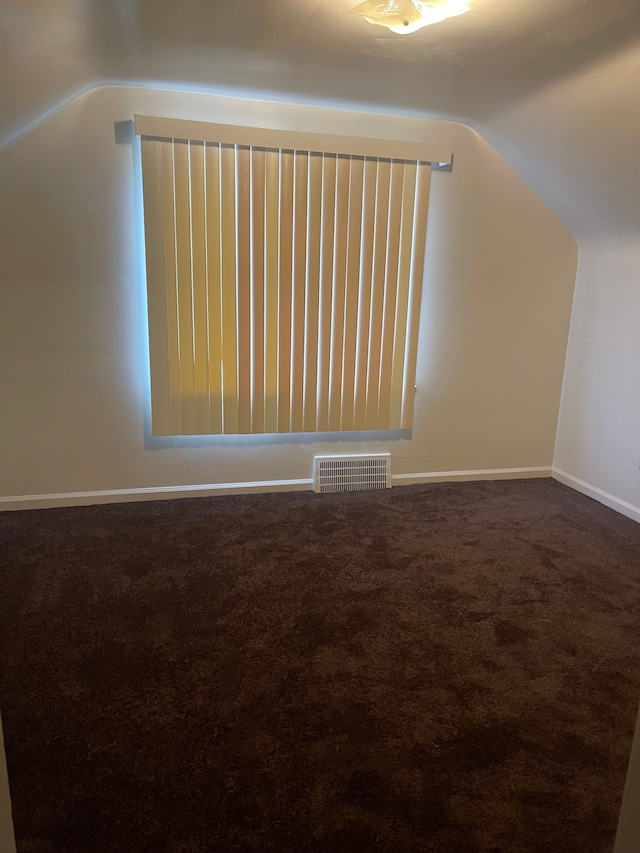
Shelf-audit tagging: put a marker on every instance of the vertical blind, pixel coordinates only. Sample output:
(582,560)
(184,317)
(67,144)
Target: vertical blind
(284,285)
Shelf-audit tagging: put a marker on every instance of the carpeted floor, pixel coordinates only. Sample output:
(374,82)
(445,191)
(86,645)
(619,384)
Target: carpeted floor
(450,668)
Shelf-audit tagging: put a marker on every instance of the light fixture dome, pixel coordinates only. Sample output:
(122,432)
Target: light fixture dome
(407,16)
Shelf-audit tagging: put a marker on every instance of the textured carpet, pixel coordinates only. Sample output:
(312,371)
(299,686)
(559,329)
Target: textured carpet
(451,668)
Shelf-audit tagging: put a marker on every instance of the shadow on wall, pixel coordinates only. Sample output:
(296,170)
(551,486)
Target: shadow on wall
(155,442)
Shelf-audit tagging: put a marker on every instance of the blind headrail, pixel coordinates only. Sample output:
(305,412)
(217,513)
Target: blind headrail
(291,140)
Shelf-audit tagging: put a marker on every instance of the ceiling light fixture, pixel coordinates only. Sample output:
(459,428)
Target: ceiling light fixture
(407,16)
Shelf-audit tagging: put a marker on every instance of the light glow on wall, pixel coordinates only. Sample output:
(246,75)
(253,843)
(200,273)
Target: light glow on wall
(407,16)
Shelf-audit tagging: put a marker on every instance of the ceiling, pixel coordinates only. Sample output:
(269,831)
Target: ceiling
(480,67)
(465,66)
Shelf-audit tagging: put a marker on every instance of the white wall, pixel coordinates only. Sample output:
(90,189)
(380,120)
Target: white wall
(628,834)
(577,142)
(599,426)
(7,839)
(73,368)
(48,53)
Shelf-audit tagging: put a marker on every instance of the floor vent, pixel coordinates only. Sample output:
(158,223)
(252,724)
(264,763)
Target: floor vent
(352,473)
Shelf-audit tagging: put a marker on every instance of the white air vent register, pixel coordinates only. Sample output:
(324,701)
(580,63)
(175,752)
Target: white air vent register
(352,473)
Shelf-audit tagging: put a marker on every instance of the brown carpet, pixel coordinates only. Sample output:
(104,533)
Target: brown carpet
(451,668)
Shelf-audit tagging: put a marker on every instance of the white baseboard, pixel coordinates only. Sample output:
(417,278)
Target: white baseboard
(156,493)
(152,493)
(597,494)
(478,474)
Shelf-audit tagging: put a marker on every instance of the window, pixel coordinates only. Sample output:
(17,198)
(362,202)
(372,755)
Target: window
(284,275)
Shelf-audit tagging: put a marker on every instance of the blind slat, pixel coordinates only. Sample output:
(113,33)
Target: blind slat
(185,285)
(343,170)
(229,330)
(199,287)
(312,318)
(420,216)
(301,179)
(390,291)
(352,291)
(285,291)
(364,301)
(402,293)
(214,288)
(377,292)
(257,289)
(272,264)
(327,238)
(157,252)
(175,425)
(243,284)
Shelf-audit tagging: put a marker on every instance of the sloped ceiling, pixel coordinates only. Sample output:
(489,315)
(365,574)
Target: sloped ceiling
(538,77)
